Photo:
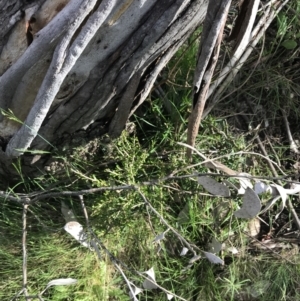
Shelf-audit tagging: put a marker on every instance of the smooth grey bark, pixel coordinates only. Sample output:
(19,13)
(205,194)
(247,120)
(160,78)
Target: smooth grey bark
(108,78)
(62,62)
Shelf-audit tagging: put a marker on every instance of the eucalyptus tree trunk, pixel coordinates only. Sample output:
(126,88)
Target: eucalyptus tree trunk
(68,63)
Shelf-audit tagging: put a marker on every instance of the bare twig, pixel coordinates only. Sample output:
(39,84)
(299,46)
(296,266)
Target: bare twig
(160,287)
(206,62)
(95,247)
(24,249)
(79,192)
(213,163)
(84,211)
(6,195)
(206,160)
(26,199)
(116,261)
(232,68)
(179,236)
(267,247)
(275,174)
(293,145)
(126,280)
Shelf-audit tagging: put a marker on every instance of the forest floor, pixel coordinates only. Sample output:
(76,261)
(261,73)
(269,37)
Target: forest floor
(156,214)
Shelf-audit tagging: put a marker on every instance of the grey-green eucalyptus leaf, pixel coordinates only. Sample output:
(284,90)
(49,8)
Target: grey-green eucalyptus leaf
(214,187)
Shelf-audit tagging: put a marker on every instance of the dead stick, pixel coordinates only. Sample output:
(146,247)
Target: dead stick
(24,249)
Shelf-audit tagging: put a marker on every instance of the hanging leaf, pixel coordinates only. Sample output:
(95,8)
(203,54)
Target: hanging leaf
(215,246)
(251,205)
(213,258)
(184,251)
(170,297)
(244,182)
(270,203)
(281,192)
(214,187)
(151,273)
(150,282)
(220,212)
(159,237)
(183,216)
(60,281)
(232,250)
(67,213)
(149,285)
(295,188)
(283,196)
(261,187)
(136,290)
(76,230)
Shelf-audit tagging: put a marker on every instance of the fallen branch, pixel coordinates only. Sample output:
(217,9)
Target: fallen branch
(24,249)
(32,198)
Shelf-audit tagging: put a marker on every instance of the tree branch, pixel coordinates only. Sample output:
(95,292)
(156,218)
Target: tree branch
(232,68)
(25,206)
(207,59)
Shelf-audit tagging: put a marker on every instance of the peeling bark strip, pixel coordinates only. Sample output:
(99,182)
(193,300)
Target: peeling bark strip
(245,48)
(118,122)
(247,10)
(207,58)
